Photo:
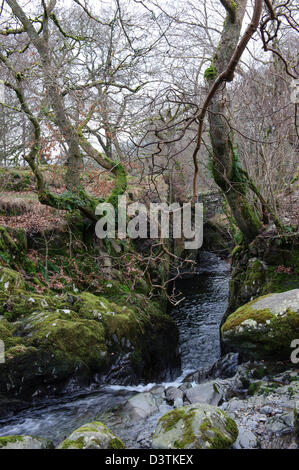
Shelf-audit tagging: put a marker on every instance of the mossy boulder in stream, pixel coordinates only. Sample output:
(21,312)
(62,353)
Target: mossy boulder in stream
(55,341)
(198,426)
(24,442)
(93,435)
(265,327)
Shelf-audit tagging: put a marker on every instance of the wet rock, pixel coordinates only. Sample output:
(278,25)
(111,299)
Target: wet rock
(25,442)
(226,367)
(197,426)
(157,391)
(185,386)
(93,435)
(141,406)
(204,393)
(174,396)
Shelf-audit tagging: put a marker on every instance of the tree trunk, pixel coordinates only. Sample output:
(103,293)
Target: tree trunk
(226,167)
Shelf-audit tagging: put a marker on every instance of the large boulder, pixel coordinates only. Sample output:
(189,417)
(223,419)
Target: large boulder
(54,340)
(204,393)
(265,327)
(141,406)
(197,426)
(93,435)
(24,442)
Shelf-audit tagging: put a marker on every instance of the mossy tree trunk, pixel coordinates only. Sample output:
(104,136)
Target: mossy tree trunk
(227,171)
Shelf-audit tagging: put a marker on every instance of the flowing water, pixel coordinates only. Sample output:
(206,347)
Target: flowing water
(198,319)
(199,316)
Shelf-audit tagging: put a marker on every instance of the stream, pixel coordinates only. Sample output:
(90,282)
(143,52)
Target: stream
(198,319)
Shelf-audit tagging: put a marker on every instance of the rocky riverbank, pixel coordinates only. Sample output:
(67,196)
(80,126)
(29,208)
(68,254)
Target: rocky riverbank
(253,408)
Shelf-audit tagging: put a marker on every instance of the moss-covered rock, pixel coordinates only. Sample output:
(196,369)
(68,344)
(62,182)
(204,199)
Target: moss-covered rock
(265,327)
(64,332)
(20,303)
(198,426)
(6,334)
(13,246)
(25,442)
(93,435)
(10,280)
(266,266)
(51,339)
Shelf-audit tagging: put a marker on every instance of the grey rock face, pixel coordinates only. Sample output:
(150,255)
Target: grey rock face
(204,393)
(141,406)
(173,395)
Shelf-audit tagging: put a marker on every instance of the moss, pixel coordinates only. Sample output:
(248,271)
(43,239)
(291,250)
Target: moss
(116,443)
(93,427)
(6,335)
(92,306)
(236,250)
(4,441)
(245,313)
(19,351)
(71,201)
(77,339)
(120,185)
(216,438)
(188,435)
(21,304)
(254,388)
(77,444)
(211,72)
(170,419)
(97,428)
(10,280)
(271,341)
(231,427)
